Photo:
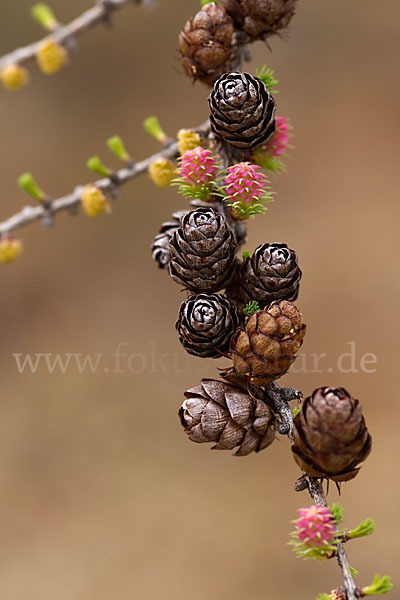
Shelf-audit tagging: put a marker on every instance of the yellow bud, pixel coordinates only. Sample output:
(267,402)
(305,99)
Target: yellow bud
(93,200)
(51,56)
(188,140)
(14,77)
(162,172)
(9,250)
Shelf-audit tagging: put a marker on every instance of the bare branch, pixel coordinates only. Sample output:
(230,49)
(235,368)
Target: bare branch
(100,13)
(280,398)
(111,184)
(29,214)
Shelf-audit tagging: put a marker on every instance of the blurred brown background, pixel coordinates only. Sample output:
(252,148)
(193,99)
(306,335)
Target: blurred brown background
(101,494)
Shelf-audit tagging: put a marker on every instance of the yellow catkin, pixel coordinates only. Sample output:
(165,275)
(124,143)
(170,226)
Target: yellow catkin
(93,201)
(188,140)
(9,250)
(51,56)
(14,77)
(162,172)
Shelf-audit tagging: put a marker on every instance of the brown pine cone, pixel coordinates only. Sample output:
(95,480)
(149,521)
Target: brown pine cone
(331,437)
(271,273)
(218,412)
(203,251)
(260,18)
(206,45)
(242,110)
(267,346)
(206,324)
(160,246)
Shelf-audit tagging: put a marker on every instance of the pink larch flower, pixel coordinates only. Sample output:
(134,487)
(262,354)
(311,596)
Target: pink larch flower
(315,526)
(244,183)
(198,166)
(279,142)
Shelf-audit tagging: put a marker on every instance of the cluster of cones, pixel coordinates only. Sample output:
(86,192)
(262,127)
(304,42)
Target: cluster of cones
(331,438)
(212,42)
(241,308)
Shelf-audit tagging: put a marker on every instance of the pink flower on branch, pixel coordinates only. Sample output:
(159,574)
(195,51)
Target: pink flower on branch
(315,526)
(246,190)
(198,167)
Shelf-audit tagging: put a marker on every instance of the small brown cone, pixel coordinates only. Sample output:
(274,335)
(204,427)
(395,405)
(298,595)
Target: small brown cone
(206,45)
(331,437)
(267,346)
(270,273)
(242,110)
(260,18)
(206,323)
(218,412)
(203,251)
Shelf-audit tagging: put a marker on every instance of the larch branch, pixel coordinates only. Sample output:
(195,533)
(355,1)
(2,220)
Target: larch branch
(29,214)
(70,202)
(100,13)
(317,494)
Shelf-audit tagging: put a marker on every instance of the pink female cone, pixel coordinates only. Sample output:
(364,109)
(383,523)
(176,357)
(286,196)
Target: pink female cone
(315,526)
